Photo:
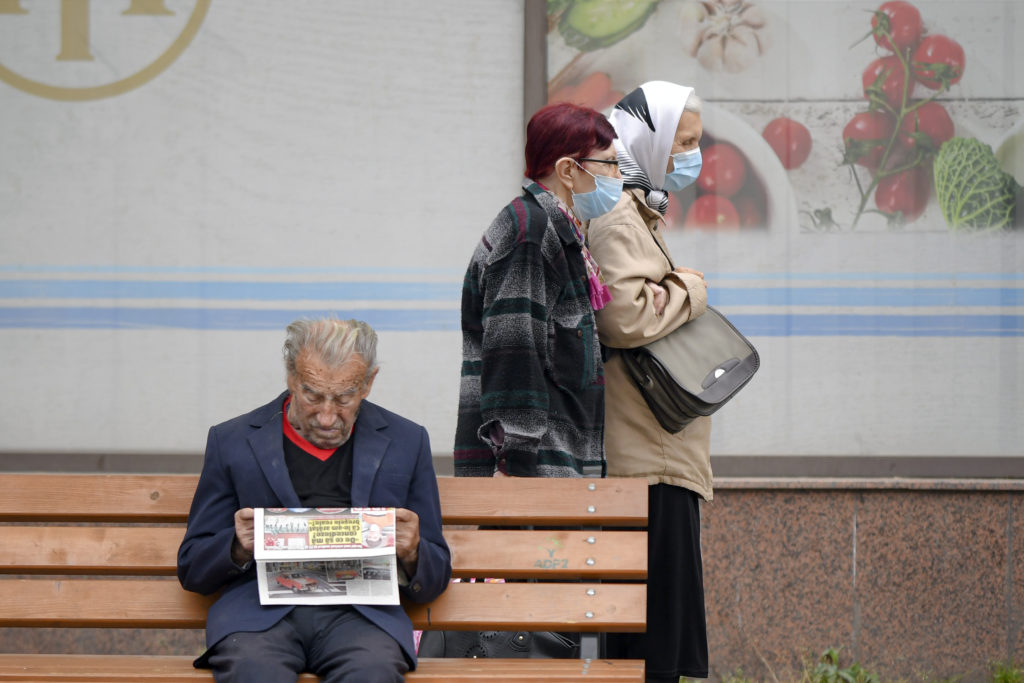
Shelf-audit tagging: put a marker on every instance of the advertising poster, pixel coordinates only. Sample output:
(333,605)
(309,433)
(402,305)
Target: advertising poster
(859,211)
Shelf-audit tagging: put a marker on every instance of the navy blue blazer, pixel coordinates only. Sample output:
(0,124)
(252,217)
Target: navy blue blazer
(244,467)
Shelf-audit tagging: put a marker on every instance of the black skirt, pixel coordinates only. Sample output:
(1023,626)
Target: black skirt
(676,641)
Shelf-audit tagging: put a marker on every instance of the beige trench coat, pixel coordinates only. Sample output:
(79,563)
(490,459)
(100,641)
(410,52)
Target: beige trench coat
(629,249)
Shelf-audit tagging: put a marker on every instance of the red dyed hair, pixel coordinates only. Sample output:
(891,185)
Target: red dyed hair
(564,130)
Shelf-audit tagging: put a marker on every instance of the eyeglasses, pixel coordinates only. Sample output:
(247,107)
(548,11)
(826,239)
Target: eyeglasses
(613,162)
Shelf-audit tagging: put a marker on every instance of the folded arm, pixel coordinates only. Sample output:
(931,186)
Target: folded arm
(630,260)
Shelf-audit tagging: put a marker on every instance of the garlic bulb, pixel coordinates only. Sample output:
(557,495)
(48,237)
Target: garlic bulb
(724,34)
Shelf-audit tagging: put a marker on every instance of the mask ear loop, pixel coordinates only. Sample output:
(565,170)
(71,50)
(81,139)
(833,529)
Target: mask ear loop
(571,188)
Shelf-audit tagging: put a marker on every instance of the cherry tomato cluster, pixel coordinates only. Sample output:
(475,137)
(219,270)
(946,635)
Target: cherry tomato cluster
(728,194)
(897,138)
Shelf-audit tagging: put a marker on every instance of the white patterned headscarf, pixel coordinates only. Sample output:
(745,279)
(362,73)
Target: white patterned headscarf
(646,121)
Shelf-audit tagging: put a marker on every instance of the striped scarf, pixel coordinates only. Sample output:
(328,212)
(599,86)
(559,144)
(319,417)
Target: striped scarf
(634,176)
(646,121)
(600,295)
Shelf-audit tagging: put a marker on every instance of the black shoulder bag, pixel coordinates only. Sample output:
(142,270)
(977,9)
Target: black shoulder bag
(693,370)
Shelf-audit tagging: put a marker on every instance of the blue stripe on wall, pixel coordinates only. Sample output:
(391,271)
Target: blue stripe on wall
(234,270)
(819,325)
(105,318)
(866,296)
(239,291)
(411,320)
(445,291)
(457,272)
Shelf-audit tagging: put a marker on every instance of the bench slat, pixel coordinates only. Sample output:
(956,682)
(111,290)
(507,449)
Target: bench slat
(527,670)
(96,497)
(32,668)
(557,502)
(153,551)
(164,669)
(166,498)
(90,550)
(619,607)
(160,603)
(110,603)
(553,554)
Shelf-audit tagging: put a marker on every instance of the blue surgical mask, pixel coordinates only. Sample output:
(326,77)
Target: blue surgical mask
(603,199)
(685,169)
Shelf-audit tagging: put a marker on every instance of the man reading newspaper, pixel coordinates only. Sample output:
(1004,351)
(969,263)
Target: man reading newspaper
(319,444)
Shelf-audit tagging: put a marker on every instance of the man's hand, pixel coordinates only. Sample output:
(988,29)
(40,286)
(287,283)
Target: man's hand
(245,537)
(407,539)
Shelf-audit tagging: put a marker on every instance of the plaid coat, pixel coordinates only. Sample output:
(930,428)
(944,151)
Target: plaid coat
(531,401)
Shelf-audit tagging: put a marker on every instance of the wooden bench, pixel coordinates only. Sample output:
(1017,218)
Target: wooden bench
(99,551)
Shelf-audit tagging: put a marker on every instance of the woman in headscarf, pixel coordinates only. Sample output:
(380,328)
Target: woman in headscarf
(531,402)
(659,128)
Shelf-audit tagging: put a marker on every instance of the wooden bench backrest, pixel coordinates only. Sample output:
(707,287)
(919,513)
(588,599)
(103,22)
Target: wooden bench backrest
(94,558)
(166,498)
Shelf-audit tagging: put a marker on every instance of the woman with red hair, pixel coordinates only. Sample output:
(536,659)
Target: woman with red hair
(531,402)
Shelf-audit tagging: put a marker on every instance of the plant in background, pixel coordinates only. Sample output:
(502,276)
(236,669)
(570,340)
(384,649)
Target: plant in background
(827,670)
(1006,672)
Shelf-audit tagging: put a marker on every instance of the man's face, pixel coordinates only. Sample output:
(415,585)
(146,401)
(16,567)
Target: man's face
(325,400)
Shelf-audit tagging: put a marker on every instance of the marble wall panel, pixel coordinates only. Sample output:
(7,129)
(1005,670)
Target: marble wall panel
(931,581)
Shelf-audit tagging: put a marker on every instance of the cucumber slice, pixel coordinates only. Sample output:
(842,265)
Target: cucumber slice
(557,6)
(593,24)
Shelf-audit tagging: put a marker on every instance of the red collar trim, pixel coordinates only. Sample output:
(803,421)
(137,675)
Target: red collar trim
(319,453)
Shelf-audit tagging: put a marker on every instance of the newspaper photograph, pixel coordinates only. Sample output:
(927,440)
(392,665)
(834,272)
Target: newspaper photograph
(326,556)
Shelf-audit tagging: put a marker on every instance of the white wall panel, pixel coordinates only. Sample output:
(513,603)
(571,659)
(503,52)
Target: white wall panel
(290,145)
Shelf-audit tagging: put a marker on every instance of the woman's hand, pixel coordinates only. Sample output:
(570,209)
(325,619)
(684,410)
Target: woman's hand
(691,271)
(684,269)
(660,296)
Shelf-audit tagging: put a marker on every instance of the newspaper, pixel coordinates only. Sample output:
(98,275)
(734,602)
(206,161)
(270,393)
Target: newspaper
(326,556)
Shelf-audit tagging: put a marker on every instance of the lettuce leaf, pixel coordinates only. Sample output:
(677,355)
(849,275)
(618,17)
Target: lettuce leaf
(973,192)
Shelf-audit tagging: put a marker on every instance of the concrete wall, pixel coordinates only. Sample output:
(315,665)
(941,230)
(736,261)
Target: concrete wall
(160,227)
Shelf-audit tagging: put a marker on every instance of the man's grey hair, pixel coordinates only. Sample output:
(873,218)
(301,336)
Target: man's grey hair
(334,342)
(694,104)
